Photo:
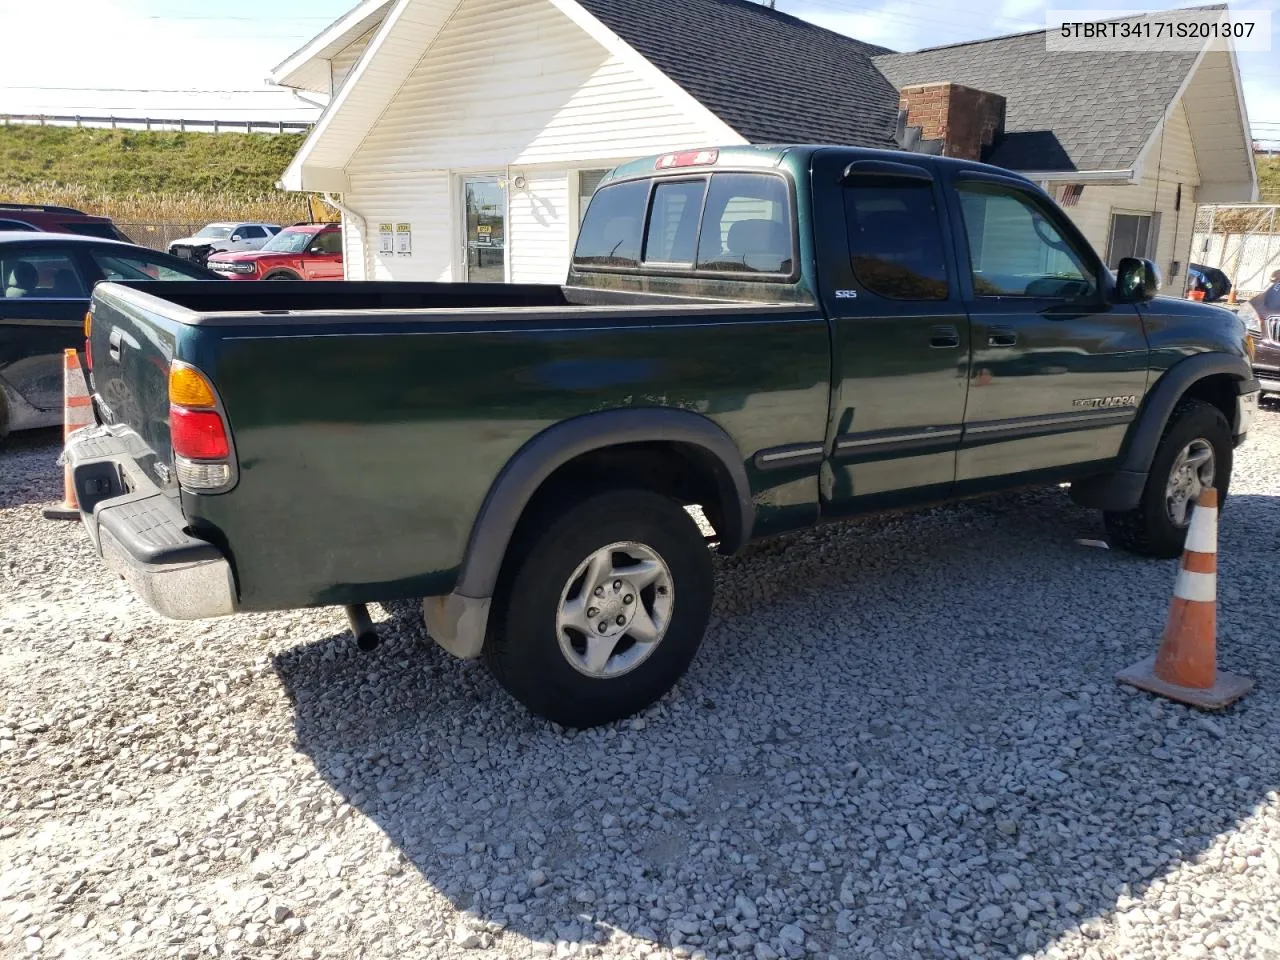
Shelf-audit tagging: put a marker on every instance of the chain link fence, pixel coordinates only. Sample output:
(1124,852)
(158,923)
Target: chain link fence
(1243,241)
(158,236)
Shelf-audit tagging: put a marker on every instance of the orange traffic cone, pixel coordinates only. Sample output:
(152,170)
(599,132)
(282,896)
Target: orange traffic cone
(1186,667)
(77,412)
(1231,297)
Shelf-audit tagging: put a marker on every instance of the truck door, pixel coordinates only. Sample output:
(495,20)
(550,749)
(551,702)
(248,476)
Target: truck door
(1058,371)
(901,334)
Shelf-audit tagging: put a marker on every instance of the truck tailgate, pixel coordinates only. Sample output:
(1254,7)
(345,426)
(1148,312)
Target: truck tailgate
(131,346)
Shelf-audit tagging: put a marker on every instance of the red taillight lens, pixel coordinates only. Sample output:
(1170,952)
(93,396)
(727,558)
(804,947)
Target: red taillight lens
(198,434)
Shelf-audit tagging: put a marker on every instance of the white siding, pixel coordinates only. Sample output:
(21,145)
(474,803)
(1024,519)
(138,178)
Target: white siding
(539,227)
(1163,171)
(346,58)
(517,82)
(421,200)
(510,88)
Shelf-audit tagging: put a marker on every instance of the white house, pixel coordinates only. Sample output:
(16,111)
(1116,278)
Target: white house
(462,138)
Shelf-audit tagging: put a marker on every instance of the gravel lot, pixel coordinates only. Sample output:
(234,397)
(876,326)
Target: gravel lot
(901,738)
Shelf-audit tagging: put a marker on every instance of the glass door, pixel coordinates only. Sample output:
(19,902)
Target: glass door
(484,225)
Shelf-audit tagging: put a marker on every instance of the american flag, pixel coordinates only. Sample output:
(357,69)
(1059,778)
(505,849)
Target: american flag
(1071,193)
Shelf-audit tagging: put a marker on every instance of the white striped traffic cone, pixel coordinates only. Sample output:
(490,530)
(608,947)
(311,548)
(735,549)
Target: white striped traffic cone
(1186,667)
(77,412)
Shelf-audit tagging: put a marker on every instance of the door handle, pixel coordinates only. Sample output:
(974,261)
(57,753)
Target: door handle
(1001,337)
(113,343)
(943,337)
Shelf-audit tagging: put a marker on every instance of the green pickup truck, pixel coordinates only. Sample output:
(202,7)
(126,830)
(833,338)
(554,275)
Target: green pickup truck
(779,336)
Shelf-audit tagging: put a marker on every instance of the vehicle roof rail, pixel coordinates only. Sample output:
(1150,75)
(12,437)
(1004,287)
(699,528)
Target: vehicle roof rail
(41,207)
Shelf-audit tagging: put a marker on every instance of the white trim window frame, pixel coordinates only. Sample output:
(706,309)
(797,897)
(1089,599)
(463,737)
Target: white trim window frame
(1151,237)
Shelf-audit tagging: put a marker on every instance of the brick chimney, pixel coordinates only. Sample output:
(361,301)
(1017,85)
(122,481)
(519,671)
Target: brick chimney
(965,120)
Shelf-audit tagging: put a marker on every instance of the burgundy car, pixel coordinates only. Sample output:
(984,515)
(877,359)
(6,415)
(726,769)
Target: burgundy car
(41,218)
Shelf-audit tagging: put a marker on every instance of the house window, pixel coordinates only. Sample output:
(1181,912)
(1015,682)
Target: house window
(588,181)
(1132,235)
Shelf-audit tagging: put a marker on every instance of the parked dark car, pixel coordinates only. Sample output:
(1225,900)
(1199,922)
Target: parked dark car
(1215,283)
(1261,317)
(45,282)
(39,218)
(304,251)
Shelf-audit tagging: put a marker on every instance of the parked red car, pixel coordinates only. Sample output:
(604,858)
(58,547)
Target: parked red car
(305,251)
(42,218)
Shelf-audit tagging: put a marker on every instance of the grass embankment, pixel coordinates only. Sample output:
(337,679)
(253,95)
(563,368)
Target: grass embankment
(1269,179)
(139,176)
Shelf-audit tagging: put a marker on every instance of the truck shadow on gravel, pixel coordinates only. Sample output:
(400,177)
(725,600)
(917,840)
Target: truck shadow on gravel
(900,734)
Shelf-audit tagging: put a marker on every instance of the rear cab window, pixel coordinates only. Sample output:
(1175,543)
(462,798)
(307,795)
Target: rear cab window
(712,224)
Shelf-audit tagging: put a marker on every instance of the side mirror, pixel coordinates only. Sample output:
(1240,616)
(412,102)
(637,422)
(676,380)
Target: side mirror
(1137,280)
(315,249)
(236,238)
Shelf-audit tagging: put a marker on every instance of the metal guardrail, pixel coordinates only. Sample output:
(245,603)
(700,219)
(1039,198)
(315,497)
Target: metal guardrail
(159,123)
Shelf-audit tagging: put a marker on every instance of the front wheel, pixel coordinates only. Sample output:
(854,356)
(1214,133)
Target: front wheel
(1194,453)
(606,608)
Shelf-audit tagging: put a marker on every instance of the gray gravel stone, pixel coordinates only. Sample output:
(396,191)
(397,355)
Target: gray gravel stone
(965,761)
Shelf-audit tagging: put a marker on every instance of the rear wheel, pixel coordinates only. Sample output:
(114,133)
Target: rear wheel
(1194,453)
(605,610)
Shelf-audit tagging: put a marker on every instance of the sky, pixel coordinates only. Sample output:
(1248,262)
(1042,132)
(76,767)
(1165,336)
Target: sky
(145,57)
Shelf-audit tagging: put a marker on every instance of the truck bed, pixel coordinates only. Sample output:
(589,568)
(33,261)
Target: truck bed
(203,302)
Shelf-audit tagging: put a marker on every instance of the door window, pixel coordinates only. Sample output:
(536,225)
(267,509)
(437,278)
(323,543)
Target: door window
(329,242)
(118,267)
(486,217)
(895,238)
(41,275)
(1015,250)
(1132,235)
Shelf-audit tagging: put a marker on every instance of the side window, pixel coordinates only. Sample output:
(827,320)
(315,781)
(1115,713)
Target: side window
(330,241)
(17,225)
(747,225)
(895,238)
(1015,250)
(252,233)
(42,275)
(614,225)
(118,267)
(673,221)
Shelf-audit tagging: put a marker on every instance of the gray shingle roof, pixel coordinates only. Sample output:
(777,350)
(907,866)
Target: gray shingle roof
(772,77)
(1063,110)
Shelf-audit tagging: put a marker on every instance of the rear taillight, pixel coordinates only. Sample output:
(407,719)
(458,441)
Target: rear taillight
(198,431)
(88,346)
(198,434)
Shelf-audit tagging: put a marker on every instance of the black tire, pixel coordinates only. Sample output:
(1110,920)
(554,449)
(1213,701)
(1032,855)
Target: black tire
(282,275)
(4,415)
(1148,530)
(523,650)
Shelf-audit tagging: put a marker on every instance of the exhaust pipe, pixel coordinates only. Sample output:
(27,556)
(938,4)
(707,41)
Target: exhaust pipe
(366,633)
